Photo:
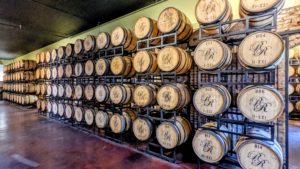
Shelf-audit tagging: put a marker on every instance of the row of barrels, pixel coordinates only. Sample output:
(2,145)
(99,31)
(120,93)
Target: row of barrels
(169,96)
(170,20)
(20,87)
(294,71)
(20,99)
(294,53)
(257,103)
(18,76)
(20,65)
(211,146)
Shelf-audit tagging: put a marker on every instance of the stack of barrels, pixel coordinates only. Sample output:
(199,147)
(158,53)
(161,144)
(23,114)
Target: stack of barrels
(294,86)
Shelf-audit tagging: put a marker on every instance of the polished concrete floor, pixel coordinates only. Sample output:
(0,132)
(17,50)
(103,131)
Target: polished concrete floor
(30,141)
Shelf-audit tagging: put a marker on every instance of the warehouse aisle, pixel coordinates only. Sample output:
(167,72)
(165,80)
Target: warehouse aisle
(30,141)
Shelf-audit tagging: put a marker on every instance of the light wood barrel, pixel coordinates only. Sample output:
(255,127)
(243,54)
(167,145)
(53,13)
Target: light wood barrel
(89,115)
(292,89)
(78,46)
(142,128)
(54,72)
(144,61)
(69,50)
(49,107)
(211,12)
(173,20)
(102,119)
(43,89)
(61,109)
(291,107)
(176,59)
(43,105)
(147,28)
(297,106)
(61,90)
(89,68)
(122,65)
(255,153)
(171,135)
(69,91)
(260,103)
(38,89)
(54,55)
(121,36)
(38,104)
(89,43)
(89,92)
(37,59)
(48,57)
(211,100)
(79,92)
(291,54)
(60,71)
(49,90)
(121,94)
(69,112)
(211,146)
(291,71)
(68,70)
(173,96)
(145,95)
(79,114)
(78,69)
(103,40)
(102,93)
(61,52)
(54,90)
(42,73)
(212,54)
(48,73)
(261,50)
(102,66)
(121,123)
(42,57)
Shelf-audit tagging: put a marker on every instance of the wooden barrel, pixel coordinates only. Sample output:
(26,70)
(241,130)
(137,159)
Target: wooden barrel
(78,47)
(260,103)
(145,28)
(42,57)
(291,107)
(291,71)
(43,89)
(69,50)
(37,59)
(89,115)
(54,90)
(291,54)
(292,89)
(211,100)
(102,119)
(89,68)
(121,123)
(60,71)
(261,50)
(38,89)
(89,92)
(142,128)
(170,135)
(68,70)
(212,12)
(252,8)
(38,104)
(49,90)
(145,95)
(173,20)
(69,91)
(102,66)
(297,106)
(173,96)
(298,71)
(256,153)
(89,43)
(78,69)
(48,57)
(44,105)
(78,92)
(49,107)
(144,61)
(121,36)
(211,146)
(61,52)
(54,55)
(122,65)
(212,54)
(103,40)
(175,59)
(48,73)
(102,93)
(79,114)
(42,73)
(61,90)
(69,112)
(54,72)
(121,94)
(61,109)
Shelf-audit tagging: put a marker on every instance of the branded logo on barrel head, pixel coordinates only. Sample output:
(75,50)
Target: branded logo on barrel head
(257,159)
